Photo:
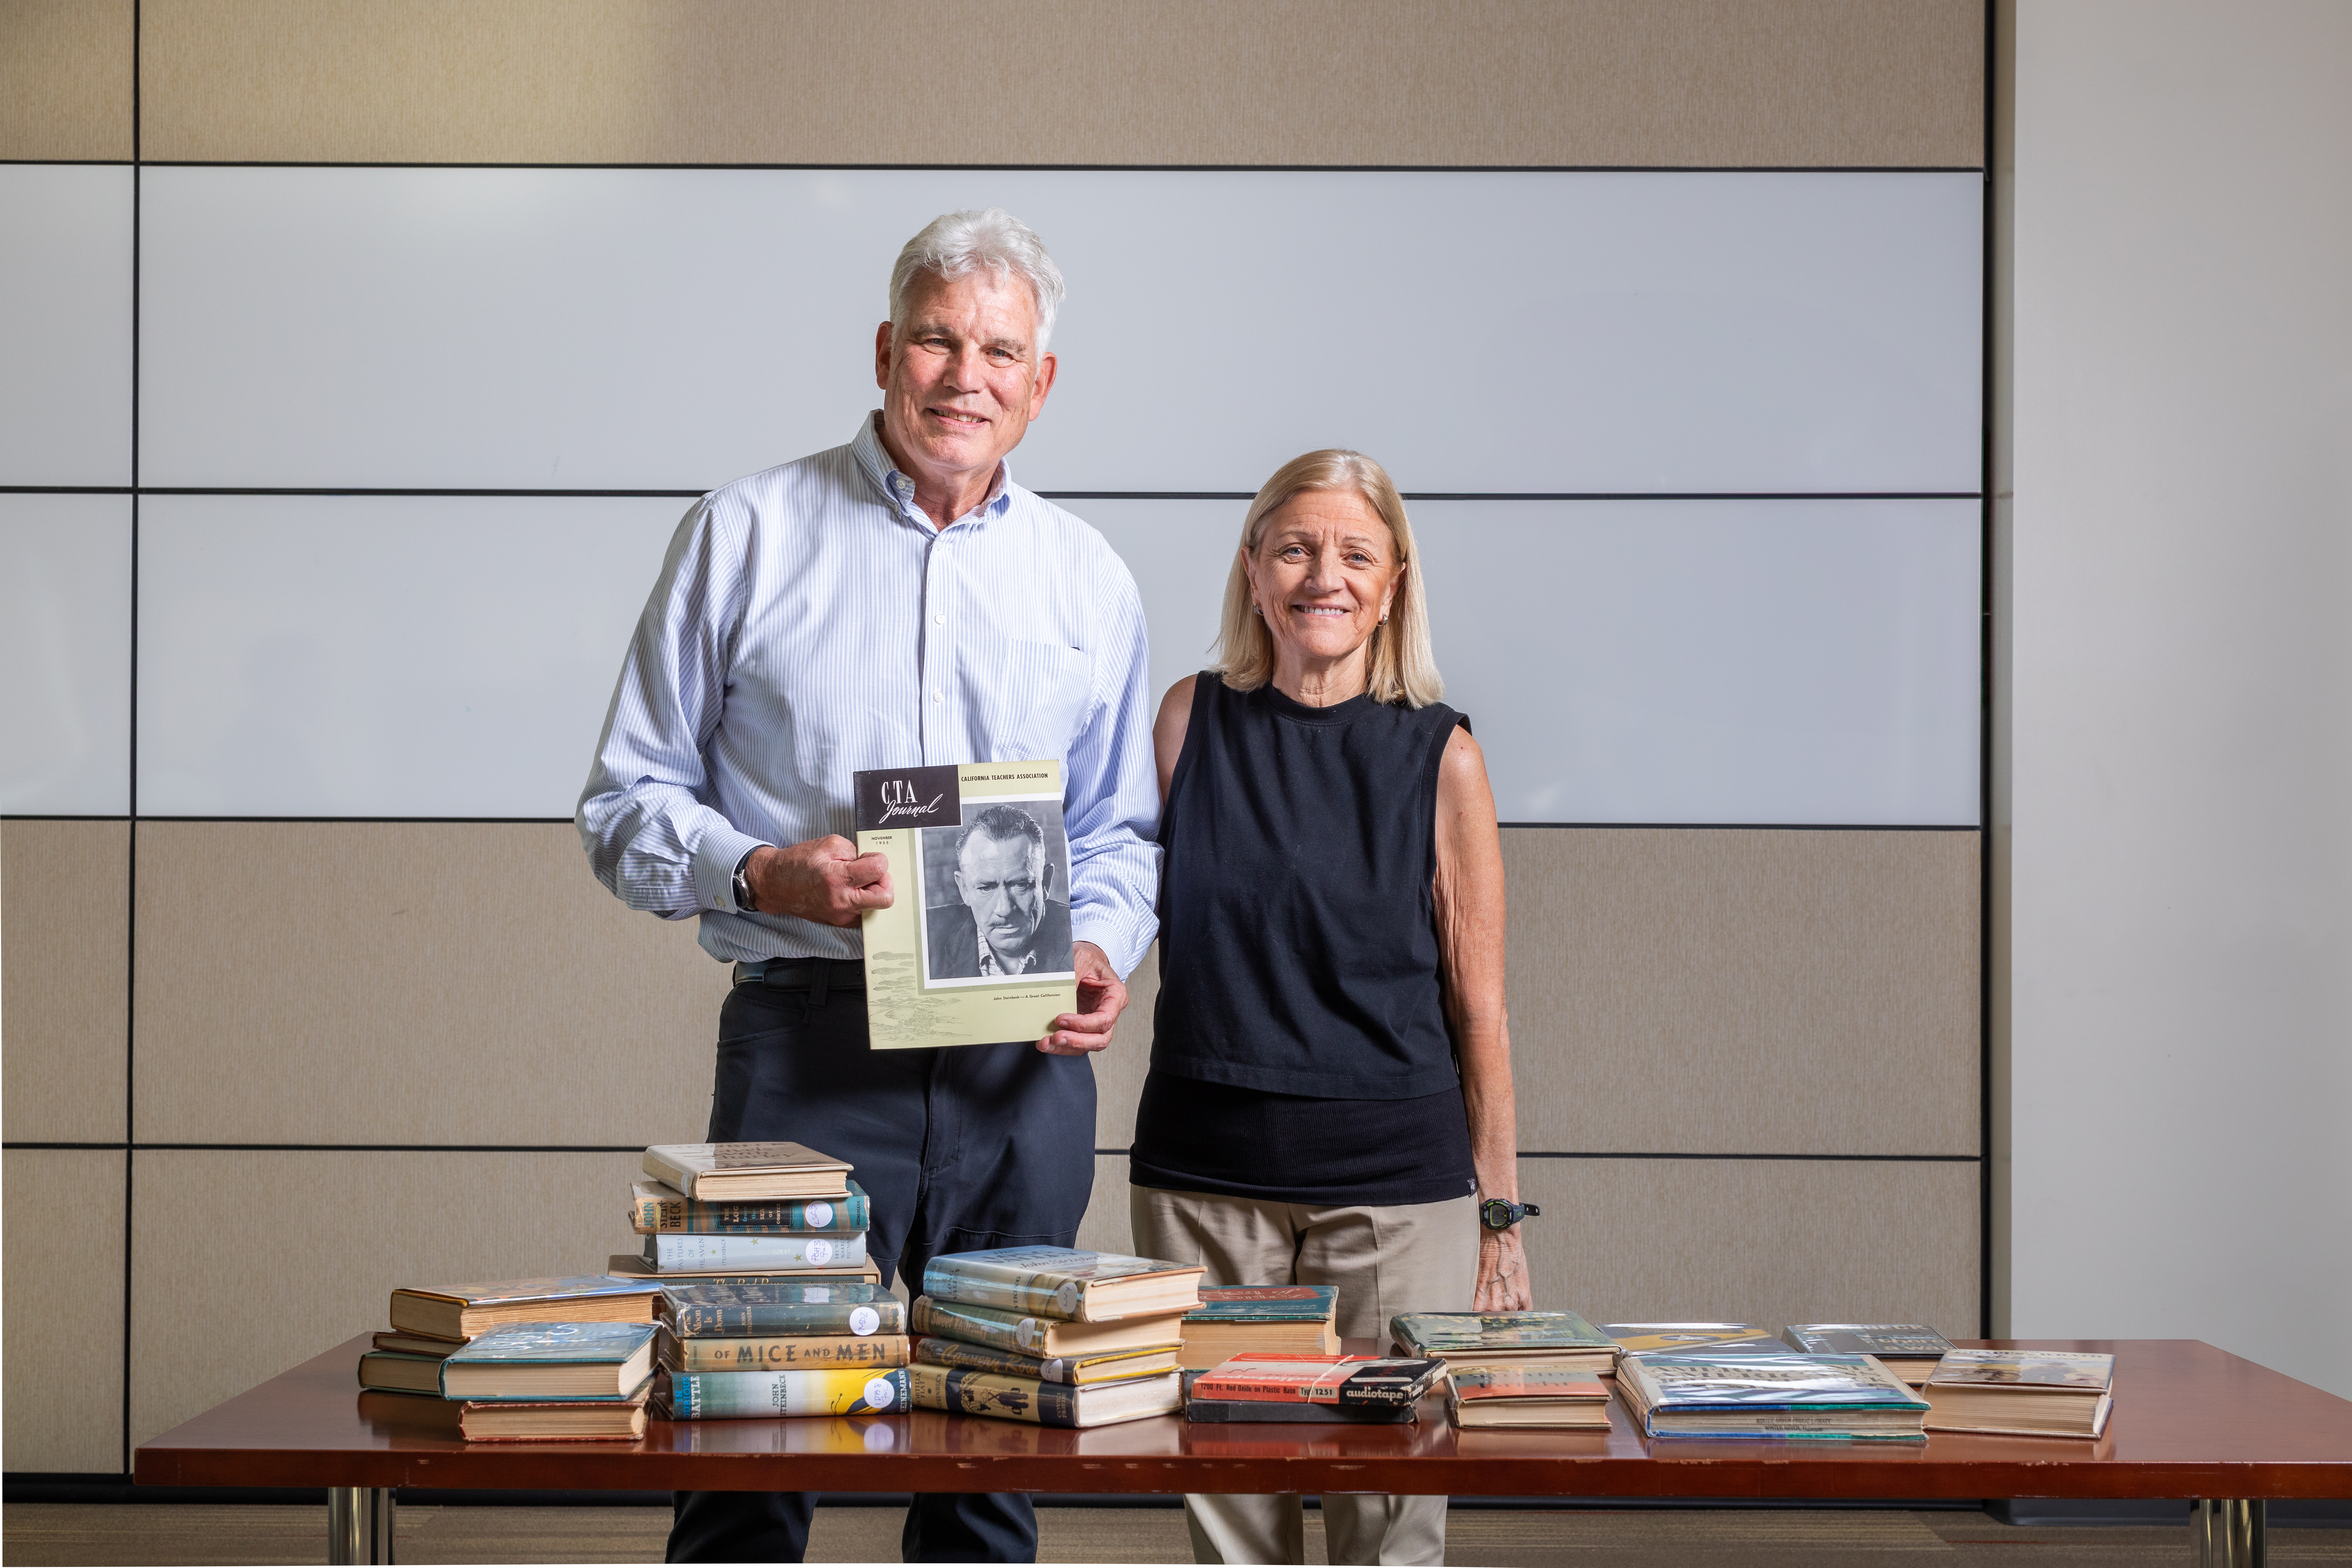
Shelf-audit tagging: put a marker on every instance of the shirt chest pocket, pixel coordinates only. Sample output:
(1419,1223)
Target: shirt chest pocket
(1026,698)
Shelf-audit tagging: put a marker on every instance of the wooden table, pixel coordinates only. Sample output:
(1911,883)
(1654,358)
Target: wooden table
(2189,1422)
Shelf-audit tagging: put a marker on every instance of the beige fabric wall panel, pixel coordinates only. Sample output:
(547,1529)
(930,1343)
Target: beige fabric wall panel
(65,931)
(65,80)
(1773,1242)
(64,1332)
(1119,1071)
(1807,83)
(333,1235)
(1761,1241)
(1744,990)
(425,982)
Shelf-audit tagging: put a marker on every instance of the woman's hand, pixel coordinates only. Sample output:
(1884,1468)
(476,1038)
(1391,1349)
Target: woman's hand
(1502,1273)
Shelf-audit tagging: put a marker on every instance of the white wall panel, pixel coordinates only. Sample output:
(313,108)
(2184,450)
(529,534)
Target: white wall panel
(673,329)
(1714,661)
(1665,661)
(378,656)
(65,655)
(65,324)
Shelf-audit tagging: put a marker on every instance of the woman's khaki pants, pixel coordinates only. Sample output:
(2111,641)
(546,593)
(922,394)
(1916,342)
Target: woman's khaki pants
(1407,1257)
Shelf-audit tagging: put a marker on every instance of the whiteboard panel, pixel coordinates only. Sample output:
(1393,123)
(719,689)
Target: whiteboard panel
(1478,331)
(383,656)
(65,324)
(65,655)
(1665,661)
(1714,661)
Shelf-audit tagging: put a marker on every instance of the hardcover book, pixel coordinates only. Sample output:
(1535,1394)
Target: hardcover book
(975,948)
(747,1172)
(397,1372)
(414,1344)
(1536,1396)
(542,1362)
(1716,1339)
(740,1308)
(1109,1366)
(658,1206)
(1292,1412)
(1909,1350)
(1498,1338)
(461,1311)
(1064,1282)
(554,1421)
(2041,1394)
(1702,1394)
(673,1252)
(962,1391)
(752,1354)
(1388,1381)
(1025,1334)
(1272,1320)
(727,1395)
(629,1266)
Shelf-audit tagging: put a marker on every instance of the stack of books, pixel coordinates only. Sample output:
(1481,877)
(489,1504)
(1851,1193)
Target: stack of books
(753,1346)
(2037,1393)
(528,1359)
(1052,1335)
(1910,1350)
(1324,1388)
(1260,1320)
(1564,1342)
(747,1209)
(1758,1394)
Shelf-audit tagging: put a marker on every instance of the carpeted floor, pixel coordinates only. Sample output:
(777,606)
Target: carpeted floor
(76,1534)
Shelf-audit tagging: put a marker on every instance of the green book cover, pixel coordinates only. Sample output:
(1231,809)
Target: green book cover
(1265,1304)
(1432,1333)
(740,1306)
(975,948)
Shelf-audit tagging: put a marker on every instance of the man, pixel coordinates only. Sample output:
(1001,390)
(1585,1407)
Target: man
(1008,924)
(896,601)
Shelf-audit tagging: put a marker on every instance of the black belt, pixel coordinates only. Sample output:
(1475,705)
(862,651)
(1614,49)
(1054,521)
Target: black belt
(814,975)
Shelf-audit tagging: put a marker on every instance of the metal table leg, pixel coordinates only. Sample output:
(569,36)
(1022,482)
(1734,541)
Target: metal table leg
(2228,1532)
(359,1524)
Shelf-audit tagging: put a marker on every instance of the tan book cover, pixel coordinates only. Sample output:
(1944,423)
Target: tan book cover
(975,948)
(716,1172)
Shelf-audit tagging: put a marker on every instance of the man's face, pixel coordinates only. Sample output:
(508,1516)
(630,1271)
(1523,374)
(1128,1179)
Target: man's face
(963,378)
(1002,882)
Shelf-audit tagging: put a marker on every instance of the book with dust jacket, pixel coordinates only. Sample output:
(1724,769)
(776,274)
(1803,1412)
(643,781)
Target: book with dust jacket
(975,948)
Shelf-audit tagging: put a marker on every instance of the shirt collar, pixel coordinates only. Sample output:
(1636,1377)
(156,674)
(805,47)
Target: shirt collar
(874,458)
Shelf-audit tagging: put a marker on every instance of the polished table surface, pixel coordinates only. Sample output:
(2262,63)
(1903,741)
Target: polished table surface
(2190,1421)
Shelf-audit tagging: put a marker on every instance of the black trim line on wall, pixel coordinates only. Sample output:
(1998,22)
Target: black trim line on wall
(449,492)
(131,856)
(1984,677)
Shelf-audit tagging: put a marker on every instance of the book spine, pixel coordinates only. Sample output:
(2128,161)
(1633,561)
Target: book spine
(980,1284)
(673,1249)
(651,1211)
(756,1355)
(722,1396)
(963,1390)
(783,1319)
(937,1352)
(1021,1336)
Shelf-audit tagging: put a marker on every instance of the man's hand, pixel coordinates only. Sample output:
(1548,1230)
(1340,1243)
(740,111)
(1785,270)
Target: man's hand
(1502,1273)
(1102,997)
(826,880)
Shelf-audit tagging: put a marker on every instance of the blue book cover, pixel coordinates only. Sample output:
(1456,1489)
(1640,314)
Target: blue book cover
(1695,1394)
(543,1361)
(1265,1304)
(1061,1282)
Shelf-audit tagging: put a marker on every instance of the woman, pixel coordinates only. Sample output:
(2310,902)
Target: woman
(1331,1090)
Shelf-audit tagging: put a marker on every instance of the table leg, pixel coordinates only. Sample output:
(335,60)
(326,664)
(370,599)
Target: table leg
(359,1524)
(2228,1532)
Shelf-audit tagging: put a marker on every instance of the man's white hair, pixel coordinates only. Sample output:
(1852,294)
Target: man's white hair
(955,245)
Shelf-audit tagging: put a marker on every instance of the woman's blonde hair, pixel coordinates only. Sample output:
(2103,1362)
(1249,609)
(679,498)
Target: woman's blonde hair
(1403,668)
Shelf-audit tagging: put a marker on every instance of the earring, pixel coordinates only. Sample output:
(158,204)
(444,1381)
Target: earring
(1384,617)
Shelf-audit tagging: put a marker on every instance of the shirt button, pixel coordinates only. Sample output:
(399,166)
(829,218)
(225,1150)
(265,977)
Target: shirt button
(938,697)
(940,619)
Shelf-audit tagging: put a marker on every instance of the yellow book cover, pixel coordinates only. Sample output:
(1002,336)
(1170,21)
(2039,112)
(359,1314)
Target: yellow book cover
(976,946)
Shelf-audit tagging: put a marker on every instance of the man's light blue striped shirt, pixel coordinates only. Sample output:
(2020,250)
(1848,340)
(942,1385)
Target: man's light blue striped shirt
(809,622)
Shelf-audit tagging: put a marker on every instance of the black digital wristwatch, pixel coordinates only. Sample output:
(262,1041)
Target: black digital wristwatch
(1502,1214)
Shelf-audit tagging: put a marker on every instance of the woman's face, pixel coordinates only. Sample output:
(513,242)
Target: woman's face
(1323,574)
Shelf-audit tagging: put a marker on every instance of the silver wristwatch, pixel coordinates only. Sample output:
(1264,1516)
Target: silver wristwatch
(743,904)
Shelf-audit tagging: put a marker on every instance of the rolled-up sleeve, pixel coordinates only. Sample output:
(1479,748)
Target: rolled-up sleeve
(1111,790)
(646,818)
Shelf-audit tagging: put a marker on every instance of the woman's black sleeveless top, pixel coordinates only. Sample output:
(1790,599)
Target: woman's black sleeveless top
(1300,1050)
